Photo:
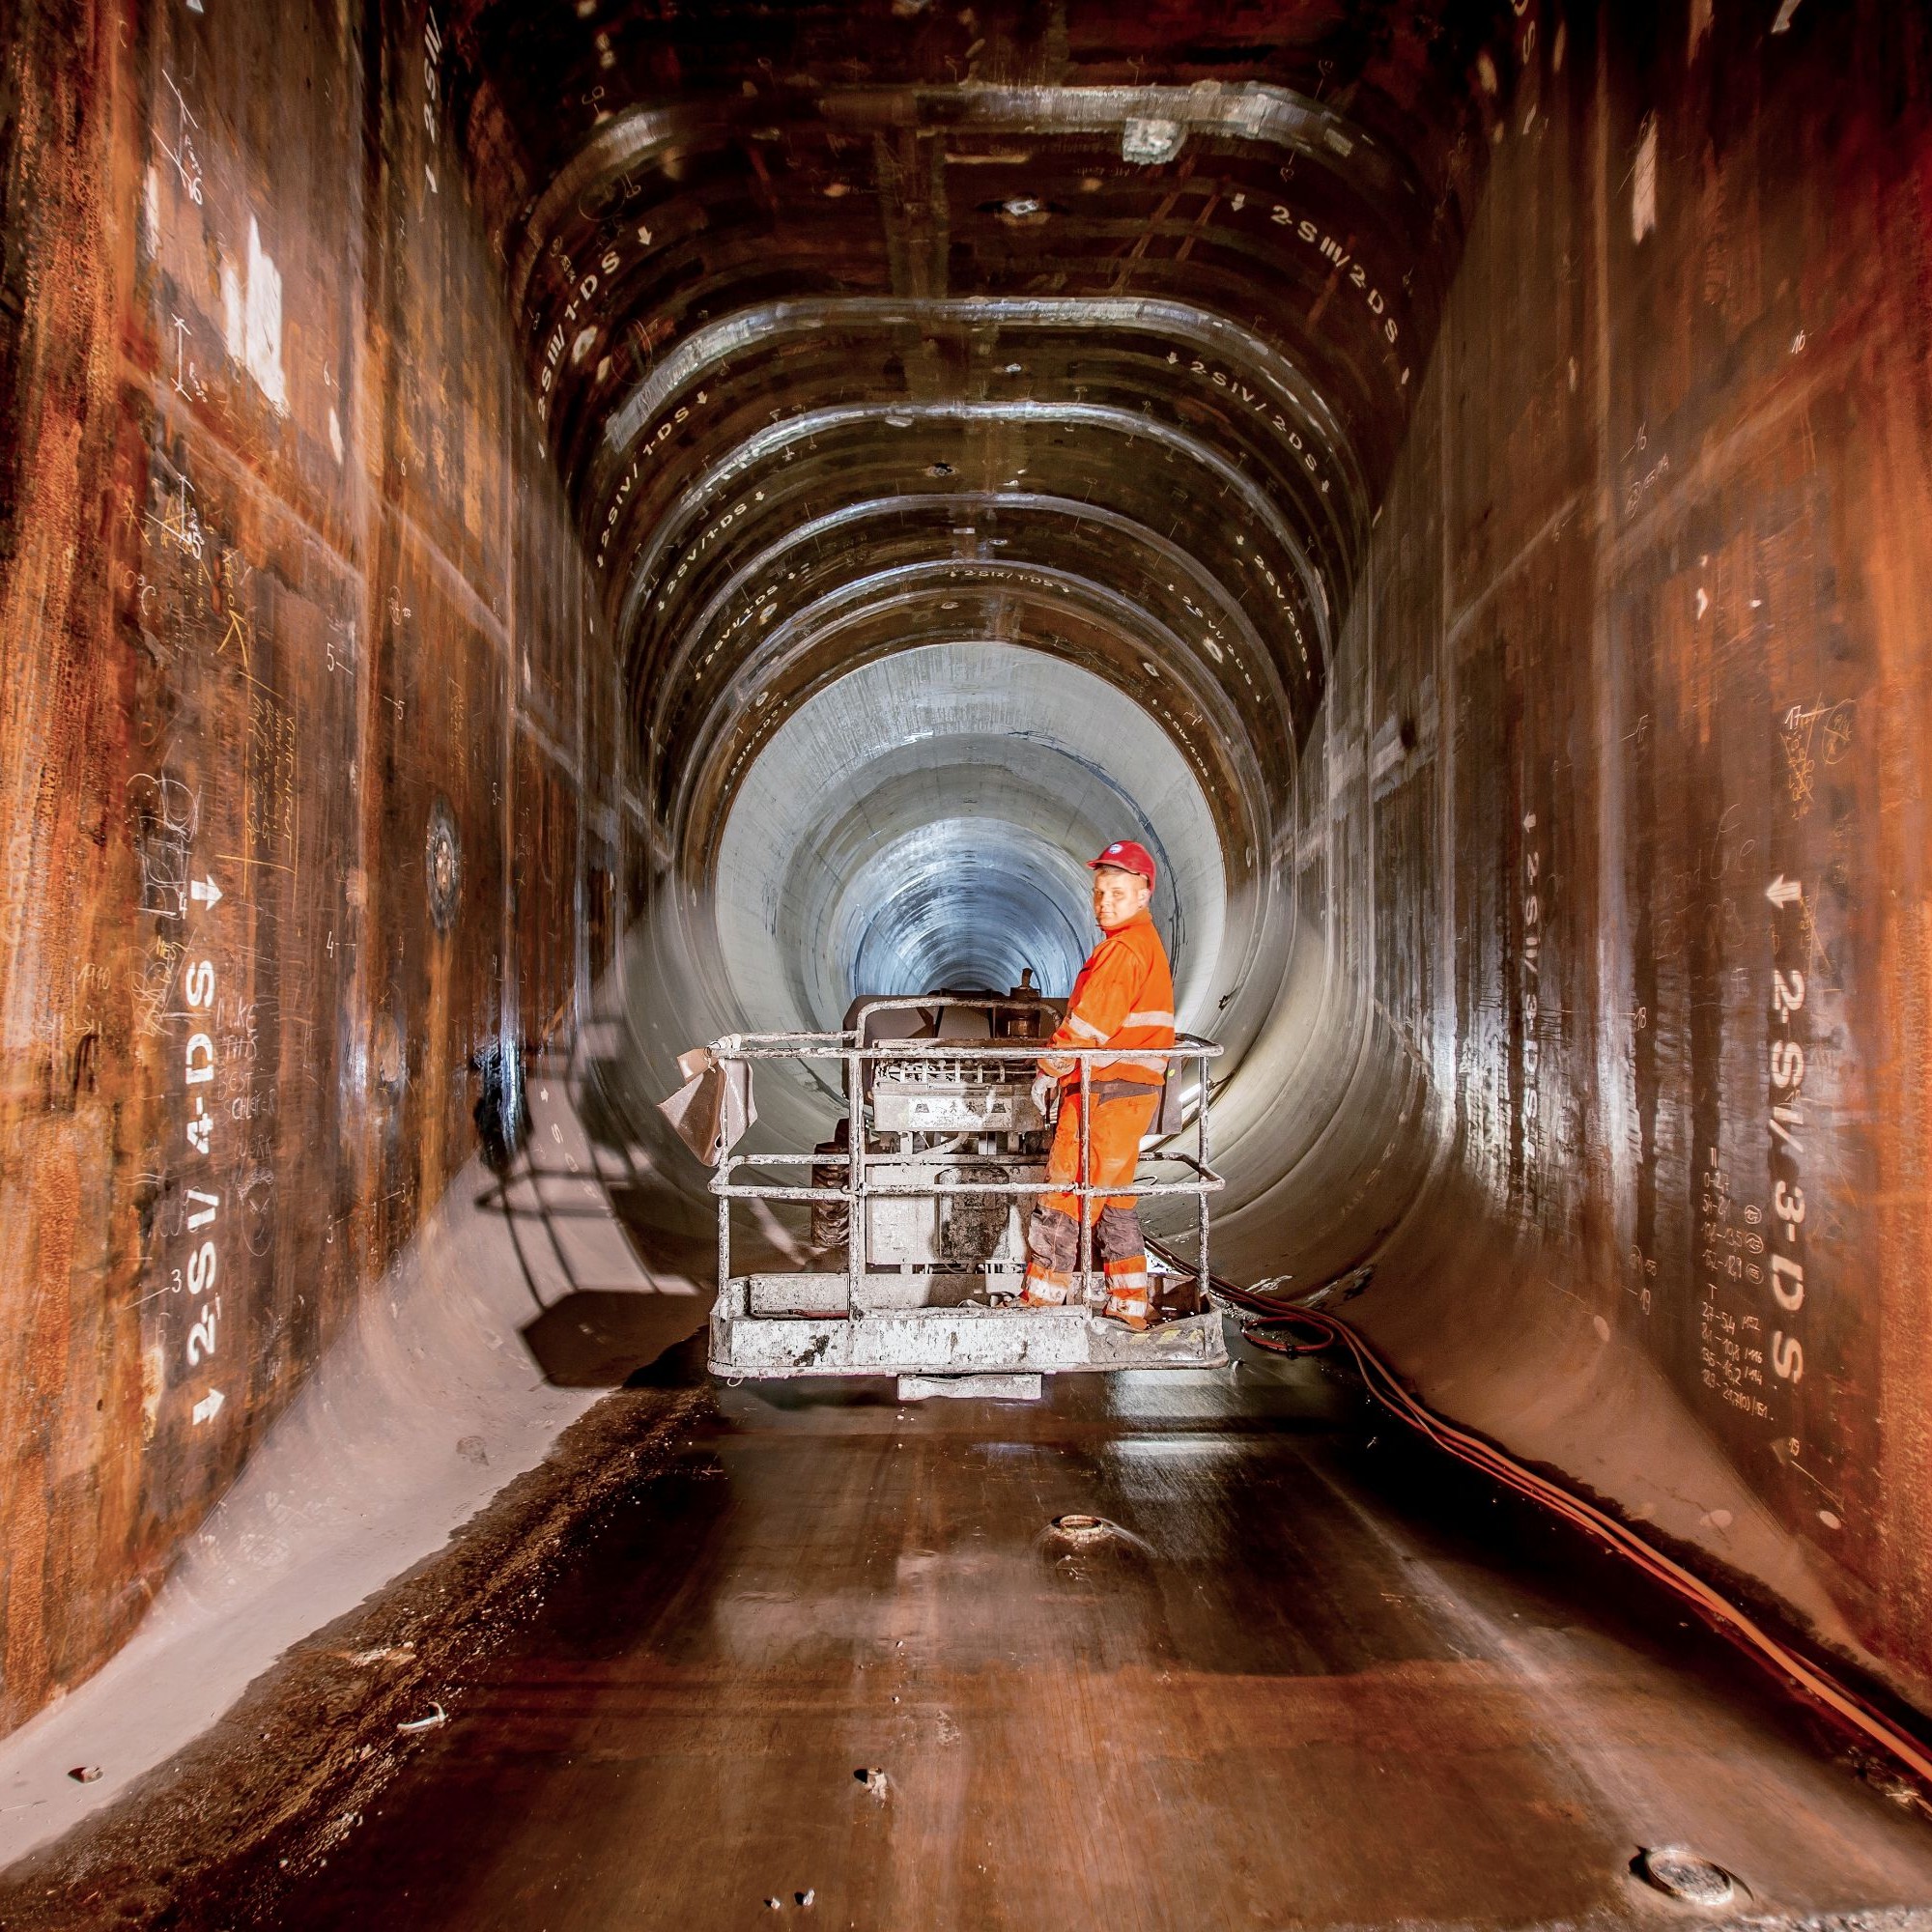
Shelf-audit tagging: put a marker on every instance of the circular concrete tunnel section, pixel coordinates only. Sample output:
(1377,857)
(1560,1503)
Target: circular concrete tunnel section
(924,822)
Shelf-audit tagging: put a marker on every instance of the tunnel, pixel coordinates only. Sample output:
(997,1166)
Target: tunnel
(537,538)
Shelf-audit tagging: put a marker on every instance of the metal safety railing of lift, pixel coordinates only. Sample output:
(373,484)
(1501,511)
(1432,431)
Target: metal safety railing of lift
(847,1047)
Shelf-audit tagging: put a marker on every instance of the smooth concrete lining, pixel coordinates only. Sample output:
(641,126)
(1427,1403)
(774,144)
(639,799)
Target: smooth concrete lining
(875,783)
(974,899)
(924,821)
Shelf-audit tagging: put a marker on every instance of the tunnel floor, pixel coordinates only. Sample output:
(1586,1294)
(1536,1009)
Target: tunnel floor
(1304,1672)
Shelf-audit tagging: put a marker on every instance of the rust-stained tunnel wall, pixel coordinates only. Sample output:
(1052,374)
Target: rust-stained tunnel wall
(1577,778)
(1615,837)
(292,614)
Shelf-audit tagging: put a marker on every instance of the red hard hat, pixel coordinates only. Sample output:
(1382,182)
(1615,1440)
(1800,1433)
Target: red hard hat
(1127,857)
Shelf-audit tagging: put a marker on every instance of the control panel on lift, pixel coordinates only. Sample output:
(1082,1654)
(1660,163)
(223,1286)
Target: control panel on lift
(934,1119)
(919,1205)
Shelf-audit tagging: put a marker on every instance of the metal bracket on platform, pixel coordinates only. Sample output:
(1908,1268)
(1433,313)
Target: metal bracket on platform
(981,1388)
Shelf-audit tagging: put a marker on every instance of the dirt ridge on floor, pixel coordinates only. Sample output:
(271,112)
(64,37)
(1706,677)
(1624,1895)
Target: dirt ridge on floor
(221,1834)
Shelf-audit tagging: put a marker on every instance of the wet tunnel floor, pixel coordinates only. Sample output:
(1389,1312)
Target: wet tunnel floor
(1307,1674)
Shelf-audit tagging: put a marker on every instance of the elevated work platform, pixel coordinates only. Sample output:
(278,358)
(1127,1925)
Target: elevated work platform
(801,1324)
(922,1194)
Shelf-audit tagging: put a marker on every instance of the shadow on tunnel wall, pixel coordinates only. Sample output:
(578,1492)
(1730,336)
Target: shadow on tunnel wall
(615,1260)
(610,1217)
(581,1334)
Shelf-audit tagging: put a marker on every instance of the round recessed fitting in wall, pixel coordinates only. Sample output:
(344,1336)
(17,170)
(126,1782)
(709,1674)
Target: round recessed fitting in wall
(442,865)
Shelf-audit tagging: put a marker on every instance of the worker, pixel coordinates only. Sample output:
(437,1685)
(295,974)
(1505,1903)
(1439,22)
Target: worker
(1124,1003)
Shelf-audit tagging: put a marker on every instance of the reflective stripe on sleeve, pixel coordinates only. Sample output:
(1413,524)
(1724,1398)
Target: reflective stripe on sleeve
(1148,1019)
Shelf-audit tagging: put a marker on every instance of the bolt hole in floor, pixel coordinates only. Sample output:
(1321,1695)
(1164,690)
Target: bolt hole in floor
(1220,1648)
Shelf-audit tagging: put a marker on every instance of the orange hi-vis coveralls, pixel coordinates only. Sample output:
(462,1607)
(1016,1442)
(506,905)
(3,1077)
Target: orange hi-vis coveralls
(1124,999)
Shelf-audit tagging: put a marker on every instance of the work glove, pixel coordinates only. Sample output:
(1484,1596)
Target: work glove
(1042,1094)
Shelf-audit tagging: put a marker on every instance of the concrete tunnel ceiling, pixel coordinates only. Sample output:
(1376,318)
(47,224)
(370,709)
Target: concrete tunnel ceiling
(1005,361)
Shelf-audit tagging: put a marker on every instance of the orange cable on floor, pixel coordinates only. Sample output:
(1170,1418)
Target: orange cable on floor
(1382,1382)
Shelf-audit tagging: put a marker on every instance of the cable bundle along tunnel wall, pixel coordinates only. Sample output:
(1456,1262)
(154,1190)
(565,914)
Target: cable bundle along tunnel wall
(532,540)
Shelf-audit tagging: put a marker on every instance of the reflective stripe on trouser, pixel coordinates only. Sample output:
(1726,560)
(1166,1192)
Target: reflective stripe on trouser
(1123,1252)
(1053,1241)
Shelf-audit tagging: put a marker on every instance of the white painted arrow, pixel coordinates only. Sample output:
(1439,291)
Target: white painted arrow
(205,892)
(1782,891)
(210,1405)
